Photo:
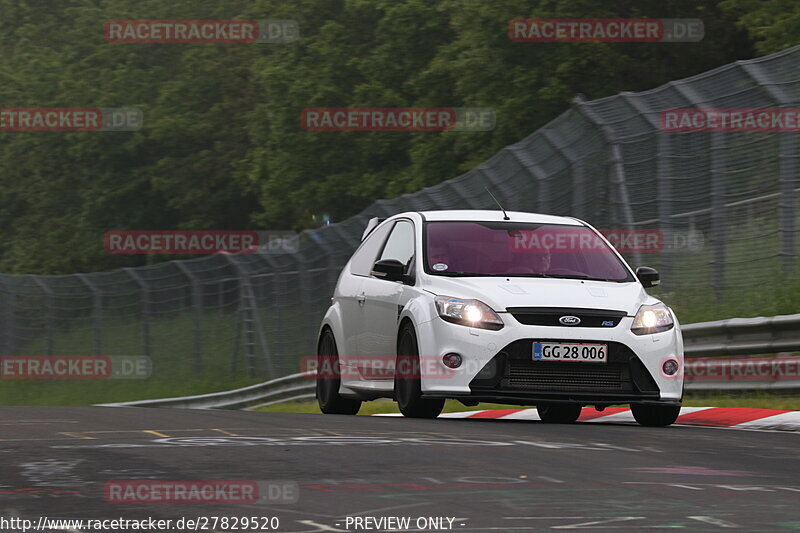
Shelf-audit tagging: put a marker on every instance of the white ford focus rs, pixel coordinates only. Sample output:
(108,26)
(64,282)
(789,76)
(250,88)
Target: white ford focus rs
(515,308)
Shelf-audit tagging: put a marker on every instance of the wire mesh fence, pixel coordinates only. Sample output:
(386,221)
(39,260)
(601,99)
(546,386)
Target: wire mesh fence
(724,202)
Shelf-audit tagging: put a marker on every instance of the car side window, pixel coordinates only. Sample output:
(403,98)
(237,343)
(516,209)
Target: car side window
(400,245)
(362,261)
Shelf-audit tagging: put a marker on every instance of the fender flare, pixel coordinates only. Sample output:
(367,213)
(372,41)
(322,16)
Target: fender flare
(333,321)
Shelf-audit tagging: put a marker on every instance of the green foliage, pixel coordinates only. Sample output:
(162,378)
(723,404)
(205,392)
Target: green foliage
(774,24)
(222,146)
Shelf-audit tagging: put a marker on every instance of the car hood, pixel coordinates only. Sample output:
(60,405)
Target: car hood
(501,293)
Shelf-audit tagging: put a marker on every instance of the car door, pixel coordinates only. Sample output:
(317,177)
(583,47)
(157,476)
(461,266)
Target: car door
(383,304)
(350,297)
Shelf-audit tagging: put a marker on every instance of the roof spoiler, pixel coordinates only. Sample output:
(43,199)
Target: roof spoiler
(371,225)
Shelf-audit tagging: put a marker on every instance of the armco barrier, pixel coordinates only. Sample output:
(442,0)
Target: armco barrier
(736,336)
(705,342)
(742,336)
(288,388)
(740,373)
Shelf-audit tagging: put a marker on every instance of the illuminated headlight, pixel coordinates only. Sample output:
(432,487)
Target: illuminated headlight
(652,319)
(472,313)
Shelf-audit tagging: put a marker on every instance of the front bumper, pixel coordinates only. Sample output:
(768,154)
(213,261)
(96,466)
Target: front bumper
(498,365)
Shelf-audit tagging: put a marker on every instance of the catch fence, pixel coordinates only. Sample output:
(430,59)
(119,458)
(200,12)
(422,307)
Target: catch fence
(724,202)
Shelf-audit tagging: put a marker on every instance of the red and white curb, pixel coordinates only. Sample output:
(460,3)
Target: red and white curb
(724,417)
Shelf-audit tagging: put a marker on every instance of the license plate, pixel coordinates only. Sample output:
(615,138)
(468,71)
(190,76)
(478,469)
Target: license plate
(570,351)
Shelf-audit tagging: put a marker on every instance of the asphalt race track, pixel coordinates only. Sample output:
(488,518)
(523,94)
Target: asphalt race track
(484,475)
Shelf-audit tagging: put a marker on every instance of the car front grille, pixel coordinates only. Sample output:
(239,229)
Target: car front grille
(513,370)
(566,377)
(549,316)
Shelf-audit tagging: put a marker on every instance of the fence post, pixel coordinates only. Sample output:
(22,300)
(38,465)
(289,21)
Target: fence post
(578,185)
(664,187)
(49,308)
(619,190)
(197,314)
(7,347)
(97,314)
(718,215)
(787,157)
(556,142)
(787,176)
(145,308)
(251,317)
(307,300)
(536,172)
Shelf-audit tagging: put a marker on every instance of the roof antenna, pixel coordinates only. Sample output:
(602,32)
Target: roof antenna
(505,215)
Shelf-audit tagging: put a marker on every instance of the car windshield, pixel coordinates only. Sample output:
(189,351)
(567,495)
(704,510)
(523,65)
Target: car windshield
(520,249)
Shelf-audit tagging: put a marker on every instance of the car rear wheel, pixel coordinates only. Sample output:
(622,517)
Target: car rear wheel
(655,415)
(407,385)
(558,413)
(329,379)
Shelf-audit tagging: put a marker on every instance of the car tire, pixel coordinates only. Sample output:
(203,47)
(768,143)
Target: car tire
(329,379)
(655,415)
(407,384)
(558,413)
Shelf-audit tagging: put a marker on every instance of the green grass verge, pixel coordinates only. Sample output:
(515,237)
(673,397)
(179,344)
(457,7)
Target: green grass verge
(89,392)
(757,400)
(175,371)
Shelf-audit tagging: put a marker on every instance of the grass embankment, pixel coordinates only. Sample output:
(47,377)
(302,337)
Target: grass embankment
(177,370)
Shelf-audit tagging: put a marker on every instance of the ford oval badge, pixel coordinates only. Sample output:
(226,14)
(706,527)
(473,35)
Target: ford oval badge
(570,320)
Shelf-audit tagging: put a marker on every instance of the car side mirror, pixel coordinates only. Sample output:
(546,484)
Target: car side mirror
(389,269)
(648,276)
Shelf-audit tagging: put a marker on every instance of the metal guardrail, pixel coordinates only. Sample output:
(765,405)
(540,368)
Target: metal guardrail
(288,388)
(735,336)
(742,336)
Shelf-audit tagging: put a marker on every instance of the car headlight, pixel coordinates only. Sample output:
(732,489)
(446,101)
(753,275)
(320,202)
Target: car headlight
(652,319)
(472,313)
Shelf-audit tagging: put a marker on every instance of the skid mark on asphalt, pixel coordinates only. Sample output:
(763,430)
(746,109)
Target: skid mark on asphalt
(224,432)
(156,433)
(36,422)
(237,432)
(383,509)
(145,433)
(74,435)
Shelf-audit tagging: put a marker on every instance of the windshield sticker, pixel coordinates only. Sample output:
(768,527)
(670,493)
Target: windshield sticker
(440,267)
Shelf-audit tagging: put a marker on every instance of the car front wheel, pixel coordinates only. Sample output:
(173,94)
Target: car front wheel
(655,415)
(558,413)
(407,385)
(329,378)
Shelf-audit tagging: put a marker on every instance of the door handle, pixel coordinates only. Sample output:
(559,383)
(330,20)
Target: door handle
(361,298)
